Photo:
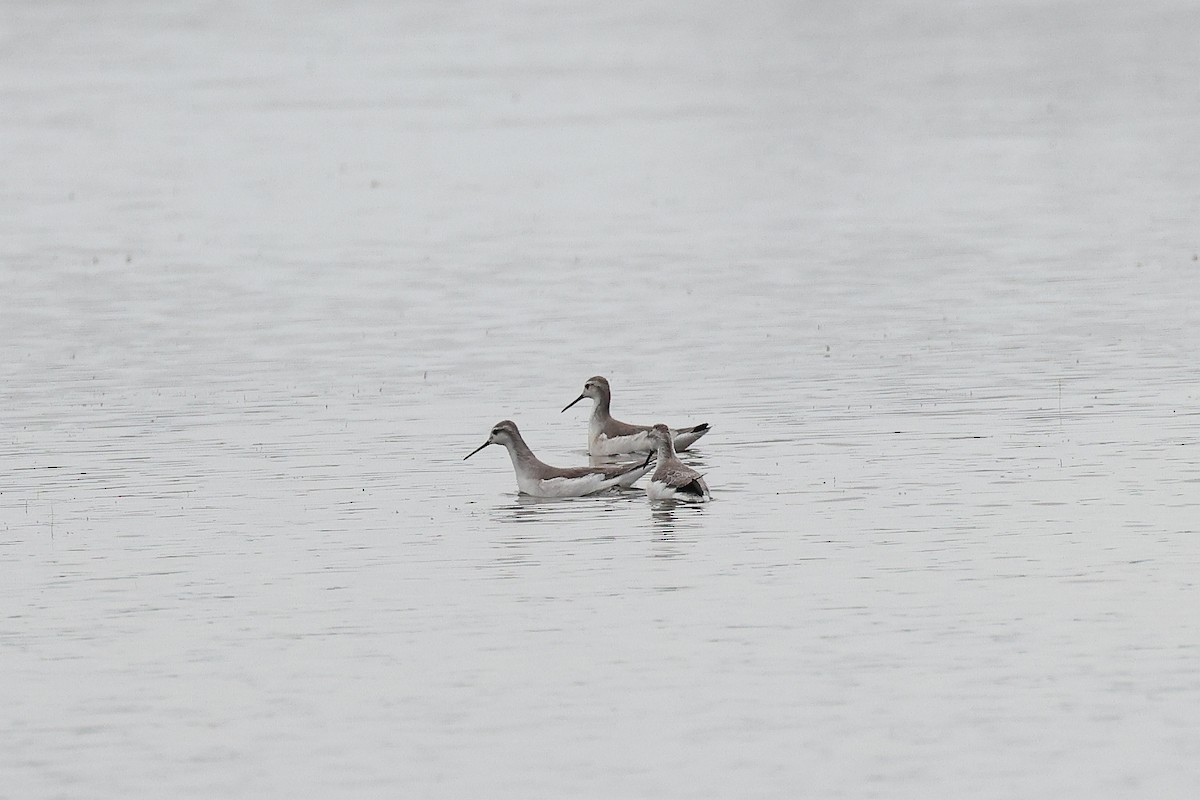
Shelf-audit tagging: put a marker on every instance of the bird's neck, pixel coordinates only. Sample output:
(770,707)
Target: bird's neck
(522,457)
(600,411)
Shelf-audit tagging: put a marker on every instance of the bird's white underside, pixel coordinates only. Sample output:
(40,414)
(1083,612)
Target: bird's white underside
(658,490)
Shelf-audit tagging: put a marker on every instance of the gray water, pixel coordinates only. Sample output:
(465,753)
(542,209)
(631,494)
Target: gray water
(269,271)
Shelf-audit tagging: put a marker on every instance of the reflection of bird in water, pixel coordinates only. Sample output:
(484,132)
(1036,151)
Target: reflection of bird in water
(676,528)
(672,518)
(525,507)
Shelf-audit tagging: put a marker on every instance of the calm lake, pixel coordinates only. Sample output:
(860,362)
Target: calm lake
(931,272)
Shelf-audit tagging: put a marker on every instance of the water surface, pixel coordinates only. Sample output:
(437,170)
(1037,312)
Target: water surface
(930,272)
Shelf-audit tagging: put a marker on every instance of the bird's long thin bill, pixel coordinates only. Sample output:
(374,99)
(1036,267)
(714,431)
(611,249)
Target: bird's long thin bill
(573,402)
(476,450)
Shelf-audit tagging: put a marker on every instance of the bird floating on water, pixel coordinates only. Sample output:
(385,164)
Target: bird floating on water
(672,479)
(542,480)
(609,437)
